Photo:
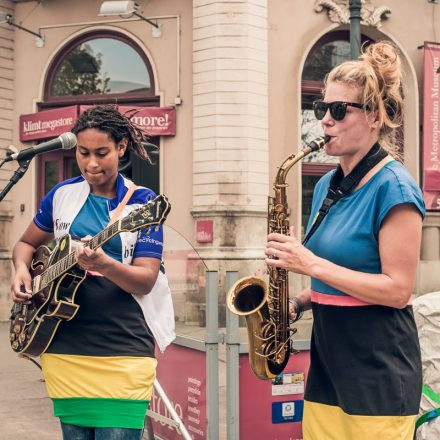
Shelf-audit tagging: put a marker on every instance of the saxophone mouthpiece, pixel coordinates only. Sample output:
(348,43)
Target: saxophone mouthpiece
(318,143)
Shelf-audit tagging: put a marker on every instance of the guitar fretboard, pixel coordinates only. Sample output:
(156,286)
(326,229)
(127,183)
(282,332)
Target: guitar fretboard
(66,263)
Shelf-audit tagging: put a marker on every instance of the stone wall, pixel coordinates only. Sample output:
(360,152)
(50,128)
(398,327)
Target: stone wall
(6,136)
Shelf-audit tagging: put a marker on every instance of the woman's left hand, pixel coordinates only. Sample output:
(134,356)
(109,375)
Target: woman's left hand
(287,252)
(94,260)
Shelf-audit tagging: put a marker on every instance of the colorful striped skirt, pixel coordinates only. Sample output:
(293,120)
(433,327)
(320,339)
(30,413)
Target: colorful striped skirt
(100,366)
(365,376)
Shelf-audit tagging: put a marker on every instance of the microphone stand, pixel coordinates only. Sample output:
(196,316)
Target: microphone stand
(19,173)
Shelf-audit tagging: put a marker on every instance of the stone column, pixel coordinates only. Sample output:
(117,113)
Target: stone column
(230,134)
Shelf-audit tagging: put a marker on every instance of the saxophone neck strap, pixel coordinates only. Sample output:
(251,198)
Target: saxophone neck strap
(341,186)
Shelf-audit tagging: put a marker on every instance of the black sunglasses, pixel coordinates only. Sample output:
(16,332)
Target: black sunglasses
(338,109)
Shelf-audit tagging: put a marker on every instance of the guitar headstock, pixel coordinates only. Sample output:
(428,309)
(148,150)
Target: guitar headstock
(153,213)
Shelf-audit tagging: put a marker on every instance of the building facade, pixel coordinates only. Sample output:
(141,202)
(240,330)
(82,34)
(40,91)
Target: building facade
(236,78)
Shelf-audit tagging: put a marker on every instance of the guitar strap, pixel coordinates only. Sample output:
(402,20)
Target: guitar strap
(123,202)
(341,186)
(120,207)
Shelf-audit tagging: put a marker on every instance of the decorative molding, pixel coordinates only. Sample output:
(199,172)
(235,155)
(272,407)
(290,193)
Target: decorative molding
(338,12)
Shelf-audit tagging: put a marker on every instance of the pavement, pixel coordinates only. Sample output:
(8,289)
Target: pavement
(25,410)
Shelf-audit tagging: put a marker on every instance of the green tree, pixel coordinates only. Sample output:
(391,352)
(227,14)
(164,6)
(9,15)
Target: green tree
(80,73)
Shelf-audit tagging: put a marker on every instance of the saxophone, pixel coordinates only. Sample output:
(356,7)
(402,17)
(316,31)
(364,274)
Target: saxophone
(266,307)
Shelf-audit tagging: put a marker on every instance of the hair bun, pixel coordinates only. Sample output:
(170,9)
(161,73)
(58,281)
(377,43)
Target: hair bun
(384,59)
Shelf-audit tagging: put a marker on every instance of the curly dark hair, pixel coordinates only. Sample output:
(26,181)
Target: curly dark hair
(118,126)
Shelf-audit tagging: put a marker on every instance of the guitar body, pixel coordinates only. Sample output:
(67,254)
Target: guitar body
(34,325)
(56,277)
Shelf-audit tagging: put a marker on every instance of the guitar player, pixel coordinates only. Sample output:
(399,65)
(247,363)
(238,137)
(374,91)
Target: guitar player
(100,366)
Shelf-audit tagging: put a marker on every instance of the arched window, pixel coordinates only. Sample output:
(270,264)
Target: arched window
(331,50)
(99,67)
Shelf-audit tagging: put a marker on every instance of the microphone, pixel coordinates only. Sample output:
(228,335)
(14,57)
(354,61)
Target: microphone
(66,141)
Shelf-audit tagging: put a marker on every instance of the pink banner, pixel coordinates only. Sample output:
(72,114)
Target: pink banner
(432,199)
(155,121)
(47,123)
(181,373)
(431,124)
(272,410)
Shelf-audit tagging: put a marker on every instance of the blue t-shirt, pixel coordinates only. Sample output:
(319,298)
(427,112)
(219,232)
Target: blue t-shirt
(91,220)
(348,235)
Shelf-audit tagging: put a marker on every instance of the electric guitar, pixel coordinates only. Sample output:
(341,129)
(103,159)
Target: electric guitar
(56,277)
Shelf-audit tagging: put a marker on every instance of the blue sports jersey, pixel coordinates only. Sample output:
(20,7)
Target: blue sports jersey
(60,208)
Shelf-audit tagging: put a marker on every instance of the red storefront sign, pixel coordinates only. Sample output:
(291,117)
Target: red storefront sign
(48,123)
(431,126)
(155,121)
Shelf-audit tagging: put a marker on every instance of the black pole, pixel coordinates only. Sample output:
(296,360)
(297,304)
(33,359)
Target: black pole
(24,164)
(10,21)
(146,19)
(355,28)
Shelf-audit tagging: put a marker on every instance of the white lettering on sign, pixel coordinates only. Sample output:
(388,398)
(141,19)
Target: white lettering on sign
(29,126)
(151,121)
(194,419)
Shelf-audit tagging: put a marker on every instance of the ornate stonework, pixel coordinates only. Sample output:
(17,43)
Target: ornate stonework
(338,12)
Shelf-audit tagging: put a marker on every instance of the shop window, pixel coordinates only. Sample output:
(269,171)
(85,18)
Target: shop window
(329,51)
(54,167)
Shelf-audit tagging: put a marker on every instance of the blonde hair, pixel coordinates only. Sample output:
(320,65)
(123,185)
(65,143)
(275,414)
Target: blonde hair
(378,75)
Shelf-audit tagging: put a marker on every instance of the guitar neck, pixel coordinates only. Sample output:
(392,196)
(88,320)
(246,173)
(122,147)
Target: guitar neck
(69,261)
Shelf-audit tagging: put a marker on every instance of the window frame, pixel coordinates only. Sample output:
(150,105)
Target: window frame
(314,88)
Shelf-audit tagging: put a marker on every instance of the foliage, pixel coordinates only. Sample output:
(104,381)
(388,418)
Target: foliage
(80,73)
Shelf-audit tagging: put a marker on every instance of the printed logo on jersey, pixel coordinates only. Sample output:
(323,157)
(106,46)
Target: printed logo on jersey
(149,240)
(61,226)
(128,252)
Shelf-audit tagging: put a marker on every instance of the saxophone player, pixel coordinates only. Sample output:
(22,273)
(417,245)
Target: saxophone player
(365,377)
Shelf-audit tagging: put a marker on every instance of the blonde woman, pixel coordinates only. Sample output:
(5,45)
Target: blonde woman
(365,374)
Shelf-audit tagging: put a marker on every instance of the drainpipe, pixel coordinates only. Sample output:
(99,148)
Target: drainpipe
(355,28)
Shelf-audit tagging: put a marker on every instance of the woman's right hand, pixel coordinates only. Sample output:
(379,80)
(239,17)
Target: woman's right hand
(21,290)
